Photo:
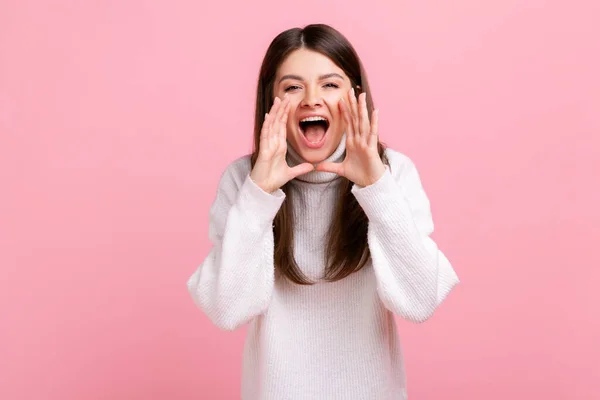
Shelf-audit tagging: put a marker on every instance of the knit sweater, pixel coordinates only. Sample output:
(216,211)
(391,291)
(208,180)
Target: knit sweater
(330,340)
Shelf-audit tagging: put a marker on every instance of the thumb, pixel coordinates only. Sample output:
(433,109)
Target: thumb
(336,168)
(301,169)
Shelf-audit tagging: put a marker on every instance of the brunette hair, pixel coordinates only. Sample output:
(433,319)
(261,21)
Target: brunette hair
(347,247)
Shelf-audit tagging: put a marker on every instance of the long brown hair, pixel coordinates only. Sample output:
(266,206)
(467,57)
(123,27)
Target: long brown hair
(347,248)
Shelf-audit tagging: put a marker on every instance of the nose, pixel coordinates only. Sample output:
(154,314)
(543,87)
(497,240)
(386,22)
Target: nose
(312,98)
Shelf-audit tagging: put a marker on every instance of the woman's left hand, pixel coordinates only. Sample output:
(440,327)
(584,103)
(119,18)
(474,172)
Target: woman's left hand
(362,164)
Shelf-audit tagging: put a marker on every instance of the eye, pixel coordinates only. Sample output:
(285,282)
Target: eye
(332,85)
(292,87)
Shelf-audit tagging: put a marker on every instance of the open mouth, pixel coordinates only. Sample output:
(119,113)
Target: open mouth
(314,129)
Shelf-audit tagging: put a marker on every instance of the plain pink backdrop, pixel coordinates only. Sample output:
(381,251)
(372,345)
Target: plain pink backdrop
(118,117)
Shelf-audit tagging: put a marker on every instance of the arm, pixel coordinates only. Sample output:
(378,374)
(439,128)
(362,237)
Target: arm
(235,281)
(413,275)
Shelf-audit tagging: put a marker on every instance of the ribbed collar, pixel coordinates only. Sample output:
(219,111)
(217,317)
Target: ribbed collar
(294,159)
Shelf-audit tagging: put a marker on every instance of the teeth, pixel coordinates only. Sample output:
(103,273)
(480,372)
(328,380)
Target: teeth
(309,119)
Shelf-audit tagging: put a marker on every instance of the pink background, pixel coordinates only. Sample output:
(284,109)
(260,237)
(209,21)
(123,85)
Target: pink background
(117,118)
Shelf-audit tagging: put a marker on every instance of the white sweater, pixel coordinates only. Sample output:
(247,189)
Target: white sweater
(328,341)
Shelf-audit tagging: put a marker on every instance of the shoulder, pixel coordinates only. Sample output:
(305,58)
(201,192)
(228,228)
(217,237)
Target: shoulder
(400,164)
(405,173)
(239,167)
(234,175)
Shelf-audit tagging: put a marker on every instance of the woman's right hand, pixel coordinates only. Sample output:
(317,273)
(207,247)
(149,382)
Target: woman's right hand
(271,170)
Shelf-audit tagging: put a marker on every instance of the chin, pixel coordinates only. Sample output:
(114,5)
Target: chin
(313,157)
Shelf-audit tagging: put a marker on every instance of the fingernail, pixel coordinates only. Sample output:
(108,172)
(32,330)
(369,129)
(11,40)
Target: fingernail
(352,91)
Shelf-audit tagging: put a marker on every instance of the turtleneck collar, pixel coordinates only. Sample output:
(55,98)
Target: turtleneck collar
(293,159)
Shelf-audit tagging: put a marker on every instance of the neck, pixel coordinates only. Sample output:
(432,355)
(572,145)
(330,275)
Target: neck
(293,159)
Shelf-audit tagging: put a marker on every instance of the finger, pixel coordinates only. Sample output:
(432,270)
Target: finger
(353,114)
(349,125)
(354,111)
(374,134)
(276,129)
(284,119)
(273,117)
(336,168)
(282,107)
(364,117)
(265,127)
(300,170)
(275,106)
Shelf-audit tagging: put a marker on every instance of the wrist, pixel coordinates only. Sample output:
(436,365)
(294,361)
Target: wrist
(375,176)
(265,188)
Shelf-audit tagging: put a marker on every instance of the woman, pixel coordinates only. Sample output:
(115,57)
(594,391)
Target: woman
(321,235)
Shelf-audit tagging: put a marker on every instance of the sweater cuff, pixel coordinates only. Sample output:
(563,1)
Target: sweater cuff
(258,203)
(383,200)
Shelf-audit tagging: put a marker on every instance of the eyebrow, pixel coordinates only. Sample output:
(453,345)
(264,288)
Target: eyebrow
(322,77)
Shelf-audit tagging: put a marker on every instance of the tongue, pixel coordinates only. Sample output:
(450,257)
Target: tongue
(314,133)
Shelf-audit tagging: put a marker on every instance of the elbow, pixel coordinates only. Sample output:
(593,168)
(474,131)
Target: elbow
(219,314)
(225,312)
(423,309)
(231,318)
(416,311)
(418,317)
(226,322)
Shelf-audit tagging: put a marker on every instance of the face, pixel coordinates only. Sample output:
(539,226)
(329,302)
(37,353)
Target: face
(315,86)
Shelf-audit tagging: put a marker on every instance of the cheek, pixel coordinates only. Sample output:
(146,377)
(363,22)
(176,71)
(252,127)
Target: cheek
(334,108)
(291,121)
(333,101)
(294,105)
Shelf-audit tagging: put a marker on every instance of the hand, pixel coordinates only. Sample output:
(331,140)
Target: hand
(362,164)
(271,170)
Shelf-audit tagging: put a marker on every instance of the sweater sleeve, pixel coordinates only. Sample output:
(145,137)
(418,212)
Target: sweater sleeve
(234,283)
(413,275)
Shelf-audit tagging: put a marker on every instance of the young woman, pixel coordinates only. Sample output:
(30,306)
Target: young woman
(320,236)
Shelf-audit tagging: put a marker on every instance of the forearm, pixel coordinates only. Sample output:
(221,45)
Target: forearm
(235,281)
(413,275)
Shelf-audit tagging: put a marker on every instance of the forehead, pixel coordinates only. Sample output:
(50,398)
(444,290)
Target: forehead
(308,64)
